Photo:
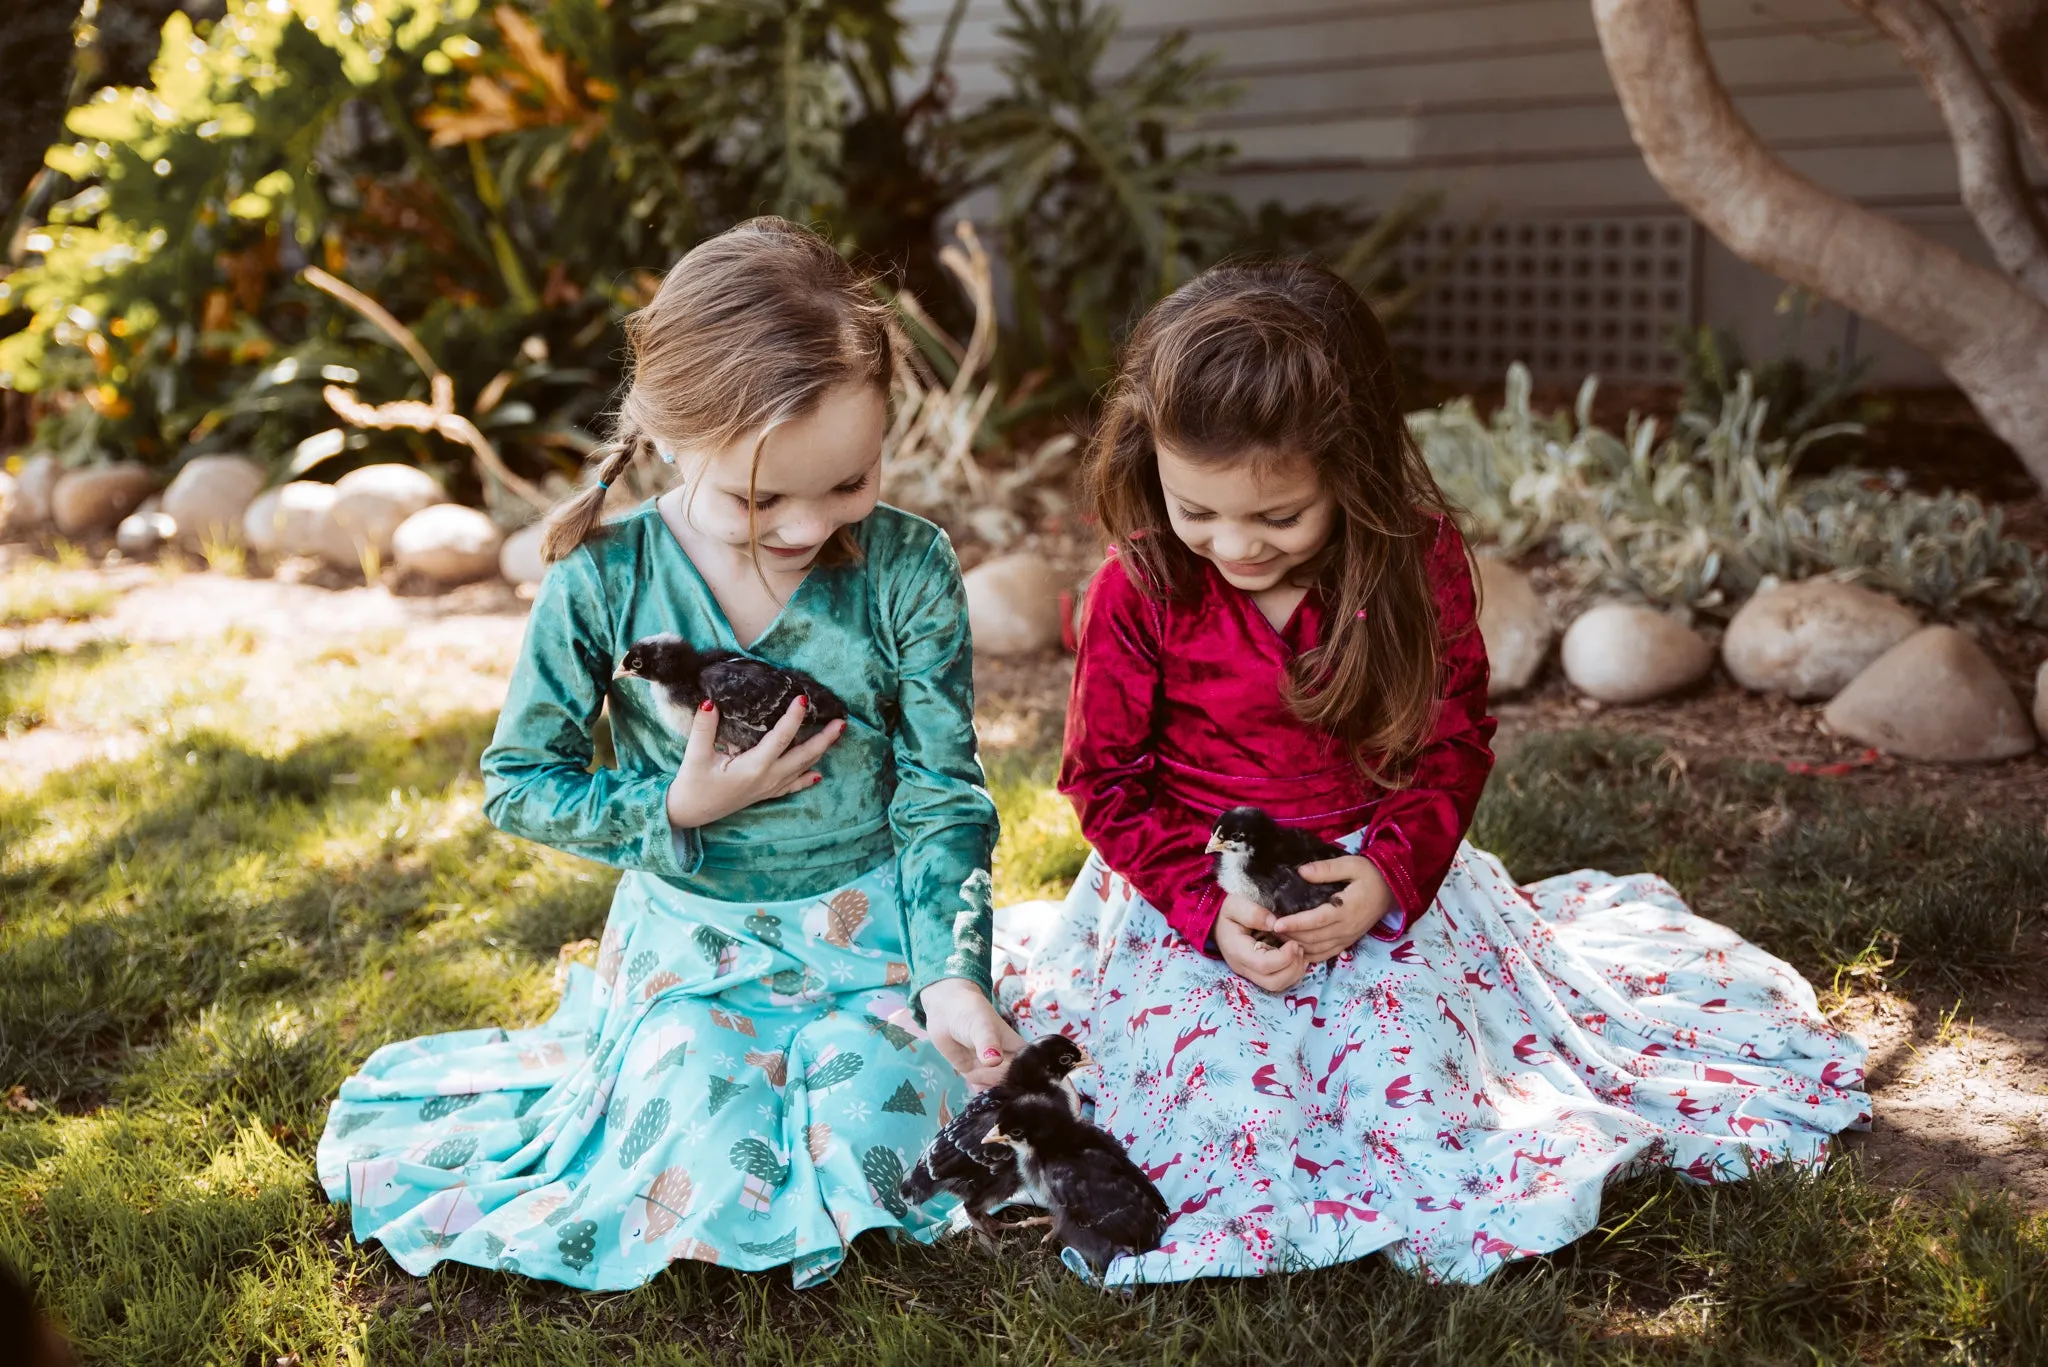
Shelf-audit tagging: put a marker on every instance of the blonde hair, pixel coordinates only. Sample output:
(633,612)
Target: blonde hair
(751,329)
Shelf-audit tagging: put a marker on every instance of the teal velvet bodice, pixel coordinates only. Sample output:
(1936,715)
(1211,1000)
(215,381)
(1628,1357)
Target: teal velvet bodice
(888,634)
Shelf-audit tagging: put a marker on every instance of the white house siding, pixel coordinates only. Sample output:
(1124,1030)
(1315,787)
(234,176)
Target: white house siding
(1506,106)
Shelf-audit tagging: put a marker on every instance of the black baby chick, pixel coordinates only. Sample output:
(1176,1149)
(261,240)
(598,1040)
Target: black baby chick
(984,1176)
(1101,1203)
(751,694)
(1258,858)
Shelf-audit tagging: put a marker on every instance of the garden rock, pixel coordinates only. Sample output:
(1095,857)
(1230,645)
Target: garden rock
(28,507)
(287,520)
(142,534)
(1623,653)
(1934,696)
(1808,640)
(209,497)
(1515,626)
(1013,604)
(89,501)
(369,504)
(519,559)
(2041,700)
(448,543)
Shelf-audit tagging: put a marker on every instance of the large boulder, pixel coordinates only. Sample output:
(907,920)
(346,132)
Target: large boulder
(1515,626)
(1013,604)
(1808,640)
(519,559)
(1624,653)
(369,504)
(1934,696)
(28,504)
(287,520)
(90,500)
(209,497)
(448,543)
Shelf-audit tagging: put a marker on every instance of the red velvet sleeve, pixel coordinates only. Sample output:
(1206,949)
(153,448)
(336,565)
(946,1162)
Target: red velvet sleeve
(1108,767)
(1414,832)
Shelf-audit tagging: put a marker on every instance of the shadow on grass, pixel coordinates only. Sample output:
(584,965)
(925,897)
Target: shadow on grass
(205,874)
(1828,881)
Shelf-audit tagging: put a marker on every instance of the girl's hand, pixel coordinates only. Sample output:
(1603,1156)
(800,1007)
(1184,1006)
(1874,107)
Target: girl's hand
(978,1042)
(1326,931)
(710,785)
(1274,968)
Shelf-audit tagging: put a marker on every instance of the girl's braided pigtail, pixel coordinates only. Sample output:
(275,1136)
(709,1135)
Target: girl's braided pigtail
(571,524)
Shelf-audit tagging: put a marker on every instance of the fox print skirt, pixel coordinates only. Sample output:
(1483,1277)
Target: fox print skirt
(1458,1097)
(739,1084)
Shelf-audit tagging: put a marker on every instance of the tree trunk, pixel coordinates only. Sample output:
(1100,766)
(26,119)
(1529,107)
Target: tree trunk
(1993,178)
(2015,32)
(1984,330)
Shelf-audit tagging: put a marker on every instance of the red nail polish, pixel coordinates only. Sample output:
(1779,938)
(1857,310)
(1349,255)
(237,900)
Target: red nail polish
(802,701)
(706,707)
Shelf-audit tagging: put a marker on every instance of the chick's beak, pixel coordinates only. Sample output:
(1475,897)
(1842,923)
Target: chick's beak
(1215,844)
(995,1136)
(1087,1061)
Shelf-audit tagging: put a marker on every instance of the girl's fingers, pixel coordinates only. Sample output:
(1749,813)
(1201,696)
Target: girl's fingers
(1349,869)
(799,783)
(700,747)
(812,750)
(772,745)
(1305,922)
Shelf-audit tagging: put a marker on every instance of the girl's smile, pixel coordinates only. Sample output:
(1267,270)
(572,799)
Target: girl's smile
(1255,521)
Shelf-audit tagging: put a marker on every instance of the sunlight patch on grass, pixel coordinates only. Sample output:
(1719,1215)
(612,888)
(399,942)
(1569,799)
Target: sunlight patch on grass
(1041,849)
(38,592)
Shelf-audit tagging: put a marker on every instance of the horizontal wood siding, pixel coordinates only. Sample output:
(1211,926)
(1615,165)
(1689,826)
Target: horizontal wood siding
(1507,107)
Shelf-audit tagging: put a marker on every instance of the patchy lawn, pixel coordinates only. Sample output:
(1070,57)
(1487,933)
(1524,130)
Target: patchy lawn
(275,860)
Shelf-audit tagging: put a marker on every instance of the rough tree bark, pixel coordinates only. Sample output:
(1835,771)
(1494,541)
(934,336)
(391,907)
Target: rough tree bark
(2015,32)
(1986,331)
(1988,165)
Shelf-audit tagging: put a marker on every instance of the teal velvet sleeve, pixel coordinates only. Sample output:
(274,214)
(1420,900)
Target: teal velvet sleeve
(538,776)
(941,816)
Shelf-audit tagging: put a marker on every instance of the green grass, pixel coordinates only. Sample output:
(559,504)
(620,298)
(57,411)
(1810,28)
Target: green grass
(39,594)
(198,944)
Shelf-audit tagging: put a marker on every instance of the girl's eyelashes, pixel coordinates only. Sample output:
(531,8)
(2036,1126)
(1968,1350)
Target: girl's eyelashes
(1189,515)
(766,501)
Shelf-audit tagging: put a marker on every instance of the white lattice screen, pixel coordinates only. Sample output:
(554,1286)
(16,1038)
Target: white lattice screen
(1570,297)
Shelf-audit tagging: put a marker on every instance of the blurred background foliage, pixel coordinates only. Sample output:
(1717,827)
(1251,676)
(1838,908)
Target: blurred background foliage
(508,180)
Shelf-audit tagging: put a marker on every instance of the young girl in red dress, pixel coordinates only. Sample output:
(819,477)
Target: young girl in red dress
(1437,1063)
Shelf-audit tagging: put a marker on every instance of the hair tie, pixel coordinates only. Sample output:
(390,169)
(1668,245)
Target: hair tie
(606,484)
(668,458)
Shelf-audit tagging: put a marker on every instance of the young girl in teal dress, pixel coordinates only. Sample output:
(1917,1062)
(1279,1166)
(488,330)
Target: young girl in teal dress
(794,979)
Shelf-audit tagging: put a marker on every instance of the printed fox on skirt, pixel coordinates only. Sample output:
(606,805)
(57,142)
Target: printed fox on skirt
(739,1084)
(1458,1097)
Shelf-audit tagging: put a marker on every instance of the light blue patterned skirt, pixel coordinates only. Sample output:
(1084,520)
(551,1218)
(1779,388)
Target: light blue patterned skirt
(741,1084)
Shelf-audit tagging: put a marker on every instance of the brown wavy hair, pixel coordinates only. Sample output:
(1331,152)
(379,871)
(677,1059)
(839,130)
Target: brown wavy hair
(750,330)
(1262,362)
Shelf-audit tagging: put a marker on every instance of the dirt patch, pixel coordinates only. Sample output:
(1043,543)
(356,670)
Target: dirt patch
(1960,1096)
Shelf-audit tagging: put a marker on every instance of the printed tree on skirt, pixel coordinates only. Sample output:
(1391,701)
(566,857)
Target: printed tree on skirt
(834,1068)
(579,1244)
(723,1089)
(765,1173)
(906,1100)
(884,1170)
(648,1126)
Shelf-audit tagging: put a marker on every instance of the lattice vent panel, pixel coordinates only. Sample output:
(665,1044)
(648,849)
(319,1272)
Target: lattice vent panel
(1570,297)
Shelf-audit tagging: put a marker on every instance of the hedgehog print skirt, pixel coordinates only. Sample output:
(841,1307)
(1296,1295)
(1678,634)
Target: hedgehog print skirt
(741,1084)
(1458,1097)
